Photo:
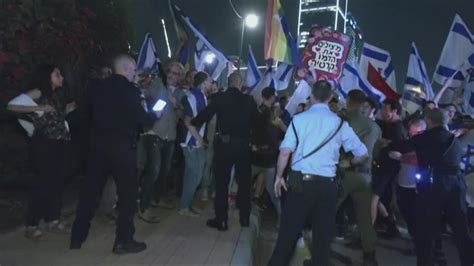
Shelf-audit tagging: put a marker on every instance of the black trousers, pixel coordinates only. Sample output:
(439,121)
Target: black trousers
(149,162)
(406,198)
(51,161)
(470,215)
(165,180)
(446,195)
(235,153)
(116,157)
(317,201)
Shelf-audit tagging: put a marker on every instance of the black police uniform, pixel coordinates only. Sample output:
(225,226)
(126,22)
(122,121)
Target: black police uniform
(441,189)
(236,115)
(117,115)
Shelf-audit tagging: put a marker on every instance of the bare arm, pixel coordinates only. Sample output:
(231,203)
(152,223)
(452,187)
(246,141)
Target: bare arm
(283,159)
(356,160)
(281,125)
(441,92)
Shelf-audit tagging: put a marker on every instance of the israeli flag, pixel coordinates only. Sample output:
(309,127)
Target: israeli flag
(352,79)
(253,75)
(458,47)
(301,94)
(148,58)
(265,81)
(282,76)
(469,87)
(380,60)
(417,76)
(206,57)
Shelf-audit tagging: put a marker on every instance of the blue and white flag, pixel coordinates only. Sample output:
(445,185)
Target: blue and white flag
(469,86)
(381,61)
(352,79)
(417,76)
(301,94)
(206,57)
(282,76)
(148,58)
(458,47)
(265,81)
(253,75)
(417,85)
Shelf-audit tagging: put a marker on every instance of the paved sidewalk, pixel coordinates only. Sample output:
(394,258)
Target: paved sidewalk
(177,240)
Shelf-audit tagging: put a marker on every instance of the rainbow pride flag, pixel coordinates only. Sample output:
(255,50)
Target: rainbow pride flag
(279,44)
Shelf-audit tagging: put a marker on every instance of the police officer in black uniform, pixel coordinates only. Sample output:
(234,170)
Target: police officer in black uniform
(117,114)
(236,115)
(441,189)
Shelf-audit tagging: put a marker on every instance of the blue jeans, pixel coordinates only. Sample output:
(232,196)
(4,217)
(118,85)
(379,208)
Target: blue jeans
(208,175)
(195,159)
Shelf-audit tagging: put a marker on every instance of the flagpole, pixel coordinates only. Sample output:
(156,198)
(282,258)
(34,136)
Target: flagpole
(174,19)
(166,38)
(241,44)
(243,31)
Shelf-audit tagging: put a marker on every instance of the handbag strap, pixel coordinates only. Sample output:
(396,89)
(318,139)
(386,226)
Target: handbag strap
(450,146)
(320,146)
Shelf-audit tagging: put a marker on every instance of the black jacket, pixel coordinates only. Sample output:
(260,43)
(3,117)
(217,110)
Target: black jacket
(236,114)
(117,110)
(430,147)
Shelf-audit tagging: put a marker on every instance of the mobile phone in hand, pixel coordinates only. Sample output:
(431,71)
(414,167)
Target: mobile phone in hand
(159,105)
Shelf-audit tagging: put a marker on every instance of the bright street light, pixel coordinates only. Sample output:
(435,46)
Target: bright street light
(209,58)
(251,21)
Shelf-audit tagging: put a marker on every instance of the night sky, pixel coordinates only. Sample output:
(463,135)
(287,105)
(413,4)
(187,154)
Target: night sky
(389,24)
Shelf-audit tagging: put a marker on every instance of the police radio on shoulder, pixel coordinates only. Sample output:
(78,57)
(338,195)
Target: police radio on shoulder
(159,105)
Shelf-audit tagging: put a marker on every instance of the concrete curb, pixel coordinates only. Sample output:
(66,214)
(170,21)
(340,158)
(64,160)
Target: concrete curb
(244,251)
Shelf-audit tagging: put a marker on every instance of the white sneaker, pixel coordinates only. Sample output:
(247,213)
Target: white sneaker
(33,232)
(149,217)
(205,196)
(301,242)
(56,227)
(188,213)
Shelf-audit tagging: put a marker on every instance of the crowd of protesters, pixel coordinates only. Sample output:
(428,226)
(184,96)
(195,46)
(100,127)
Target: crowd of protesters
(396,168)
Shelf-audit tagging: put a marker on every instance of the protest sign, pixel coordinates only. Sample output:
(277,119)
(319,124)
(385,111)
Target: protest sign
(326,52)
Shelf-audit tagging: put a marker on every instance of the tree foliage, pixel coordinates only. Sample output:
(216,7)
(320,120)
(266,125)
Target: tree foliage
(69,33)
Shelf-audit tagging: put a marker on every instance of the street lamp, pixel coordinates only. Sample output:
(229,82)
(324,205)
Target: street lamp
(251,21)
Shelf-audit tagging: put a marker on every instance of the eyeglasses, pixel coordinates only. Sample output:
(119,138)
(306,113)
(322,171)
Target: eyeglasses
(174,73)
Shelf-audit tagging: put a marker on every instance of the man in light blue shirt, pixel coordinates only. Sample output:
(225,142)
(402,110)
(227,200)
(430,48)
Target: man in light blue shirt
(312,190)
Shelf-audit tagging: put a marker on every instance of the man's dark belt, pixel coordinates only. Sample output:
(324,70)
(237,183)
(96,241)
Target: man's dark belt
(308,177)
(228,138)
(297,179)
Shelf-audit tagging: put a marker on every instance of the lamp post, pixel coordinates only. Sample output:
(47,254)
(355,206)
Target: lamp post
(250,21)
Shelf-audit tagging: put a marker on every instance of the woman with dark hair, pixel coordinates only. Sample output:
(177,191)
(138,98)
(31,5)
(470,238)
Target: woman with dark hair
(50,145)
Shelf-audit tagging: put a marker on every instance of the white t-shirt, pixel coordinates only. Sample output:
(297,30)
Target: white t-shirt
(25,100)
